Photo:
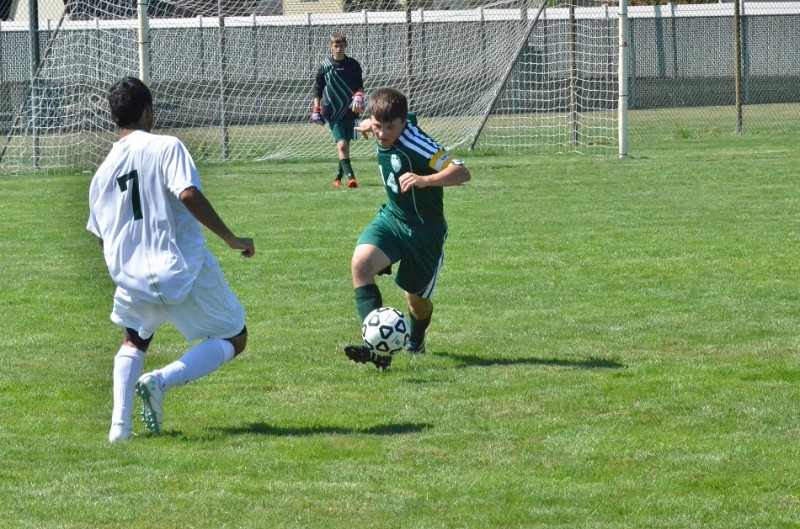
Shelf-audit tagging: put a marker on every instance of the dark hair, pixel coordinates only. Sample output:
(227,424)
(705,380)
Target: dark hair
(388,104)
(127,100)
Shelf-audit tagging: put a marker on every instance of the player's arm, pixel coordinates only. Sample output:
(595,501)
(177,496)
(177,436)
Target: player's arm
(455,174)
(359,78)
(319,83)
(316,106)
(357,103)
(199,206)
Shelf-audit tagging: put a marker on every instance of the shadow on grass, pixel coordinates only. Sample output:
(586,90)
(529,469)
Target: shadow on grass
(266,429)
(589,363)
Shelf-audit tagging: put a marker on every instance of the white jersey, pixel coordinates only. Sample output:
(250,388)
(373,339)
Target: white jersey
(153,245)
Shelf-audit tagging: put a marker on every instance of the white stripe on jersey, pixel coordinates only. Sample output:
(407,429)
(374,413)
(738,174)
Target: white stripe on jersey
(415,140)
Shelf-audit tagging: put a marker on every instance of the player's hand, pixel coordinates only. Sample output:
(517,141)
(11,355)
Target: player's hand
(245,245)
(316,116)
(364,128)
(409,180)
(358,103)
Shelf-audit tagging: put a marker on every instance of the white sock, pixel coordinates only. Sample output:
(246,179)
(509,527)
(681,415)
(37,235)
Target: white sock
(128,366)
(199,361)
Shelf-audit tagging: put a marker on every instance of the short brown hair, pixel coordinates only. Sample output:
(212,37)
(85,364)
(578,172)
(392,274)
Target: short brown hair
(338,38)
(388,104)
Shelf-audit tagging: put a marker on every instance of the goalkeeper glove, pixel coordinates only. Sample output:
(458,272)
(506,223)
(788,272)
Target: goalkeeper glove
(358,103)
(316,116)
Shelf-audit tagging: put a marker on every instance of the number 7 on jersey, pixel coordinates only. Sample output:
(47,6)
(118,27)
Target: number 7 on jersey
(133,177)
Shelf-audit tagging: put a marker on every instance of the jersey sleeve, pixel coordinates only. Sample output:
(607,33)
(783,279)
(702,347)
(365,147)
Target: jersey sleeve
(426,155)
(178,169)
(359,78)
(92,225)
(319,82)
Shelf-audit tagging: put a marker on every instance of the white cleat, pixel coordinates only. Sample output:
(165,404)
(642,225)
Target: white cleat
(152,395)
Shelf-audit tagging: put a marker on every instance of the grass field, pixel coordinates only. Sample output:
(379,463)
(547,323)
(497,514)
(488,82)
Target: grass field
(615,345)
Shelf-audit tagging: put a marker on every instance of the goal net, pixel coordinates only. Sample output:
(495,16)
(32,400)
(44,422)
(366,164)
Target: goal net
(233,79)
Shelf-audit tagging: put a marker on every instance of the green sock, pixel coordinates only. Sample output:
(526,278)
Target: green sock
(340,173)
(347,169)
(368,298)
(416,333)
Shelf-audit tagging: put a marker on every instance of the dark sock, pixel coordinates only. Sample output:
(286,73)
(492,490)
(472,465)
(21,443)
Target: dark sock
(416,333)
(347,169)
(340,173)
(368,298)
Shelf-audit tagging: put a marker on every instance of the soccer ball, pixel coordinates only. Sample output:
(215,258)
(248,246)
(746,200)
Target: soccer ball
(385,331)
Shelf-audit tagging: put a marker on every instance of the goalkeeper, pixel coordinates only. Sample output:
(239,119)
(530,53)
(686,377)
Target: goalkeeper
(339,100)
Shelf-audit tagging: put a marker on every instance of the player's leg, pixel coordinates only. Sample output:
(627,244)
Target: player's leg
(373,254)
(367,261)
(344,160)
(211,312)
(200,360)
(335,132)
(420,311)
(139,319)
(128,367)
(343,134)
(337,182)
(418,274)
(239,342)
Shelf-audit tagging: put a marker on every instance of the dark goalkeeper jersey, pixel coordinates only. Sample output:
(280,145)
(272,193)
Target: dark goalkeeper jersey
(335,84)
(414,152)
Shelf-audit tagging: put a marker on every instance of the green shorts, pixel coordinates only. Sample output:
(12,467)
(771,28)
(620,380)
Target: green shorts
(342,129)
(419,248)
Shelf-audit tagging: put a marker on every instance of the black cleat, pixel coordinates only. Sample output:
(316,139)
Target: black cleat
(362,354)
(416,348)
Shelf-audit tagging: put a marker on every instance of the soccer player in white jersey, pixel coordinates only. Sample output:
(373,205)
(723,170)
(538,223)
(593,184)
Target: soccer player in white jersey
(145,202)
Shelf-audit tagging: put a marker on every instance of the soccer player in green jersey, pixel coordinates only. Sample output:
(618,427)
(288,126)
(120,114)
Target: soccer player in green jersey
(339,99)
(410,227)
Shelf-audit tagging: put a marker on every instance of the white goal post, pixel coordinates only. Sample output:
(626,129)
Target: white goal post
(622,73)
(498,78)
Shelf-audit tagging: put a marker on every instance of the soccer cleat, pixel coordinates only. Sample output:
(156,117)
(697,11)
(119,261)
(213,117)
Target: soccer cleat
(336,183)
(415,348)
(362,354)
(352,184)
(152,395)
(117,434)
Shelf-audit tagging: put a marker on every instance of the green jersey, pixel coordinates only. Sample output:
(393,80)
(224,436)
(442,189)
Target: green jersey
(335,84)
(413,152)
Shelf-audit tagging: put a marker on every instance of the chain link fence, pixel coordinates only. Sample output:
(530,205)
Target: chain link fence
(682,57)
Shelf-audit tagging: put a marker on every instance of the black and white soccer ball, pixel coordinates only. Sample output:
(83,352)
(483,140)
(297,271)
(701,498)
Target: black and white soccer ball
(385,331)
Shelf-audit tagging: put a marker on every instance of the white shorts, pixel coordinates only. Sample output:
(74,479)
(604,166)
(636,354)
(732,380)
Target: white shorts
(210,311)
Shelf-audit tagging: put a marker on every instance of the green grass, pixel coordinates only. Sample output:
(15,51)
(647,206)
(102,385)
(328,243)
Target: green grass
(615,345)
